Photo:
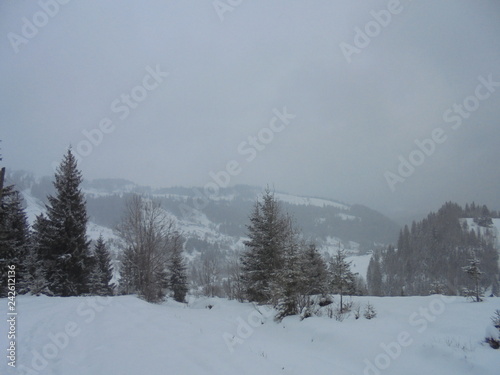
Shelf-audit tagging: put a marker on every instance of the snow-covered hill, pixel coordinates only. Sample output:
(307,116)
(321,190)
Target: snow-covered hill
(125,335)
(217,224)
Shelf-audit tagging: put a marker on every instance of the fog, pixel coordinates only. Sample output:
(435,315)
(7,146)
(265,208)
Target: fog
(395,105)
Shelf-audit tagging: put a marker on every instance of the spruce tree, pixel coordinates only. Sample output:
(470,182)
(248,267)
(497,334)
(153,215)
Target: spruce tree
(102,271)
(61,235)
(128,283)
(177,269)
(14,239)
(374,276)
(342,279)
(263,257)
(291,282)
(474,273)
(314,270)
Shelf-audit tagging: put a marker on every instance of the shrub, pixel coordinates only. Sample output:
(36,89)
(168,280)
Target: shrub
(370,311)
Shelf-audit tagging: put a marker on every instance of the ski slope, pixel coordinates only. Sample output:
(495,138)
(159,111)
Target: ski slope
(125,335)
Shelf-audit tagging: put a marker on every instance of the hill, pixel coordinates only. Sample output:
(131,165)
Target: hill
(215,226)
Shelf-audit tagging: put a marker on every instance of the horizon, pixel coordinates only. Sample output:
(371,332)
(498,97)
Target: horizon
(404,219)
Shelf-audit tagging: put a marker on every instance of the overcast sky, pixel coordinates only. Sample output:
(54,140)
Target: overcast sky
(178,87)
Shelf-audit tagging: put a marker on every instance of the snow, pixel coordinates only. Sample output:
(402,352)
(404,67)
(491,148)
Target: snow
(494,229)
(33,206)
(346,216)
(332,244)
(304,201)
(125,335)
(360,264)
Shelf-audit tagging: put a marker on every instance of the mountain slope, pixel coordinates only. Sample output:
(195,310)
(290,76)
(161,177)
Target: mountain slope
(215,225)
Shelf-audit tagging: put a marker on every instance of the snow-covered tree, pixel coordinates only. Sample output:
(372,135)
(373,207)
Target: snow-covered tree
(61,236)
(314,269)
(146,232)
(369,311)
(129,275)
(290,283)
(177,269)
(474,273)
(263,257)
(342,278)
(374,276)
(102,270)
(14,239)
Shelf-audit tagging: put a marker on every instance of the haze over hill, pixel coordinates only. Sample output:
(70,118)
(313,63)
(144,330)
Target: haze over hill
(222,219)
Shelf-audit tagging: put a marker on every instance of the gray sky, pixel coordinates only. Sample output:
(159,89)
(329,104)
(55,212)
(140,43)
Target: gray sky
(359,101)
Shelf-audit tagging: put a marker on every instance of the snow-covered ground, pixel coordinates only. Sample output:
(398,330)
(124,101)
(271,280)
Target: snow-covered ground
(306,201)
(359,263)
(124,335)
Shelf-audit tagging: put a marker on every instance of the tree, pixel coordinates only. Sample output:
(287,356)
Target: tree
(314,270)
(210,274)
(374,276)
(290,283)
(128,273)
(234,283)
(102,270)
(61,235)
(263,256)
(474,273)
(146,232)
(14,239)
(342,279)
(177,269)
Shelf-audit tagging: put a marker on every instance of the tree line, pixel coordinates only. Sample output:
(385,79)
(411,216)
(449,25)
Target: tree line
(278,267)
(440,254)
(56,258)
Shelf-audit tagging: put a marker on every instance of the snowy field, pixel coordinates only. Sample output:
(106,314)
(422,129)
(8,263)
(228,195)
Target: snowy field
(124,335)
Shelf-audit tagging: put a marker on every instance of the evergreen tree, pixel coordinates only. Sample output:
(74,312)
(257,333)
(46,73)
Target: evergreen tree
(315,271)
(61,235)
(431,255)
(474,273)
(290,283)
(177,269)
(263,258)
(14,239)
(129,275)
(342,279)
(102,271)
(374,276)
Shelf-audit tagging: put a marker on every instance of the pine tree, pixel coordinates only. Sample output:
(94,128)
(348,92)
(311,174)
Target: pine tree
(14,239)
(263,258)
(290,283)
(61,235)
(102,271)
(129,275)
(374,276)
(342,279)
(315,270)
(177,269)
(474,273)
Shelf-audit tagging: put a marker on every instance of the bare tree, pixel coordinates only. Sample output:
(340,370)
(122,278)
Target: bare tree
(210,275)
(146,231)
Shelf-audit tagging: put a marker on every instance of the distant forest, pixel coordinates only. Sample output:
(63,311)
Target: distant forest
(431,255)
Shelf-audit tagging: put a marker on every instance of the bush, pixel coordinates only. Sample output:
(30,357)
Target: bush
(493,335)
(370,311)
